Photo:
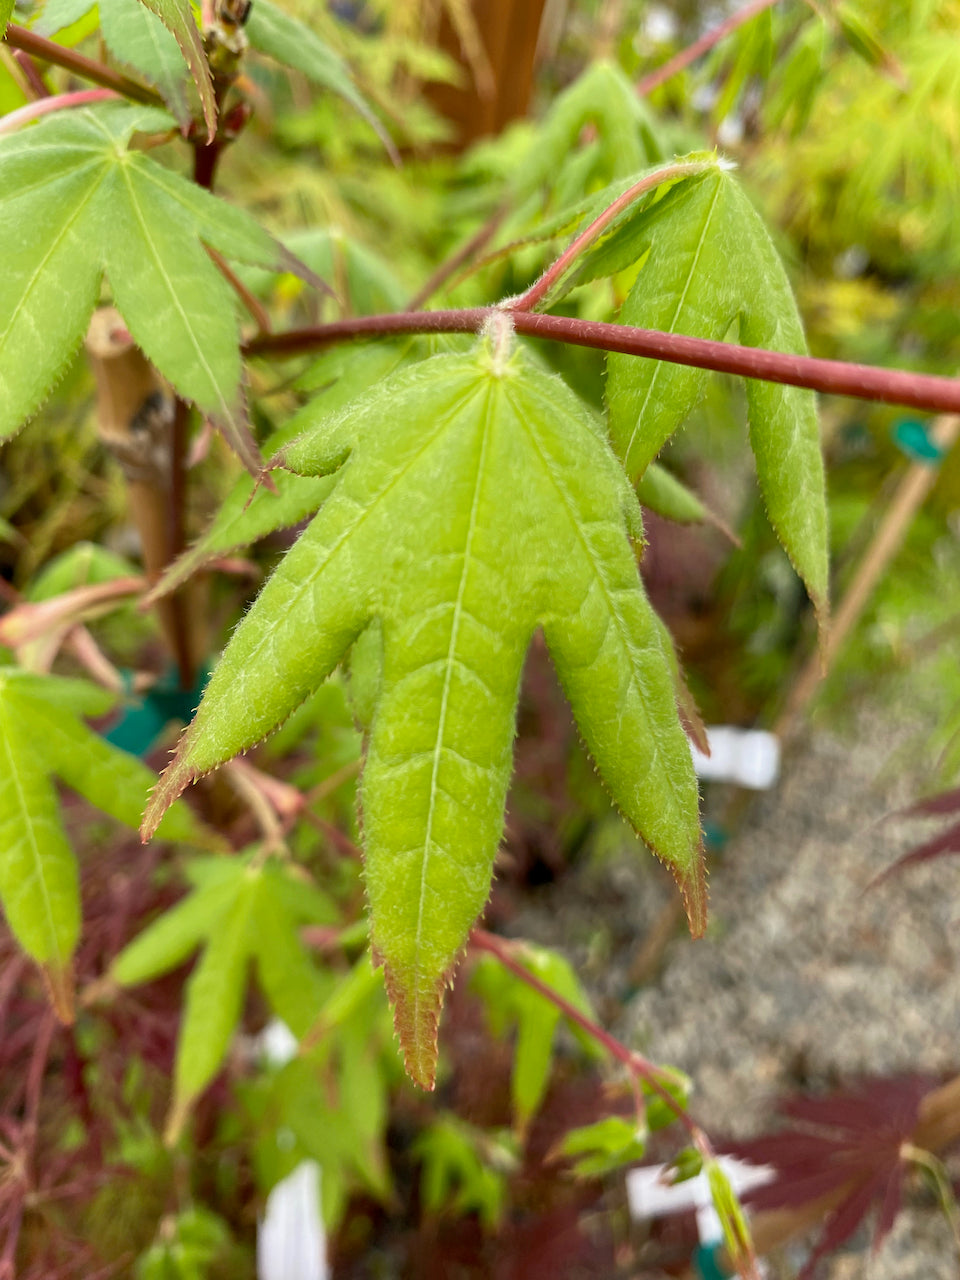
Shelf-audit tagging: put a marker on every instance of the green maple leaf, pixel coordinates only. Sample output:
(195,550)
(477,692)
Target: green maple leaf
(709,268)
(479,501)
(604,99)
(241,910)
(74,202)
(41,735)
(6,13)
(509,1000)
(291,42)
(250,511)
(158,38)
(137,37)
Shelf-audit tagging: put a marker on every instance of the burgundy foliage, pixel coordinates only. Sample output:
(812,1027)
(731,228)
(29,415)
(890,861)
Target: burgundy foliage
(847,1147)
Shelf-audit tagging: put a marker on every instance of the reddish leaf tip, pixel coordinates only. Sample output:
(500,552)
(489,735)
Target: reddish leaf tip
(173,781)
(693,889)
(58,979)
(416,1020)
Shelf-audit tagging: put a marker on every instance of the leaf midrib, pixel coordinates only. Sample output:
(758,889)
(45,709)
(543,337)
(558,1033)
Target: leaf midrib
(658,366)
(444,697)
(185,319)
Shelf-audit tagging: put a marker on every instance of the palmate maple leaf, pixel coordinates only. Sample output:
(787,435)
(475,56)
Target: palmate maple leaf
(477,499)
(75,203)
(847,1148)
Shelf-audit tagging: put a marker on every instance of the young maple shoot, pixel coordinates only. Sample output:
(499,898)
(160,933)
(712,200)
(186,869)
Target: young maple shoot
(477,499)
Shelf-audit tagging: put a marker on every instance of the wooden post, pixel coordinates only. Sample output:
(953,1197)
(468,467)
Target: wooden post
(508,30)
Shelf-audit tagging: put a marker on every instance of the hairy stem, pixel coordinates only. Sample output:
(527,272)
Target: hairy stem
(39,47)
(833,377)
(538,291)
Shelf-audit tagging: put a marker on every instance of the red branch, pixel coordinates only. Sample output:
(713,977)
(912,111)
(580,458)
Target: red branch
(636,1064)
(685,57)
(833,377)
(47,51)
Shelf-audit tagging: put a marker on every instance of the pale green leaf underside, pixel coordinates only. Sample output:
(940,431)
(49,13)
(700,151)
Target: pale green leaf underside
(477,504)
(711,271)
(136,37)
(73,203)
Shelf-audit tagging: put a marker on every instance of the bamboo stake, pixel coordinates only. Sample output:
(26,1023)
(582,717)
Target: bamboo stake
(907,500)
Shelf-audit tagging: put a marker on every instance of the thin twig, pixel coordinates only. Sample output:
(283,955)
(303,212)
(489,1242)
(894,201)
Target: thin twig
(39,47)
(538,291)
(477,242)
(683,59)
(833,377)
(636,1064)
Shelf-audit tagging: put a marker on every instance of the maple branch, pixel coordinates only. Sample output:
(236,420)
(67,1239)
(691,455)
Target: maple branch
(832,377)
(680,61)
(538,291)
(39,47)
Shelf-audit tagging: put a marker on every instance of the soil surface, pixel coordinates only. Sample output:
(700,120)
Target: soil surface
(807,980)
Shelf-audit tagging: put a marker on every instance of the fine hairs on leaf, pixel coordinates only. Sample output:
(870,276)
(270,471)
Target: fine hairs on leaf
(416,533)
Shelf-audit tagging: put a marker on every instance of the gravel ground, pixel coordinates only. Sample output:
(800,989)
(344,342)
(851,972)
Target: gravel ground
(806,979)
